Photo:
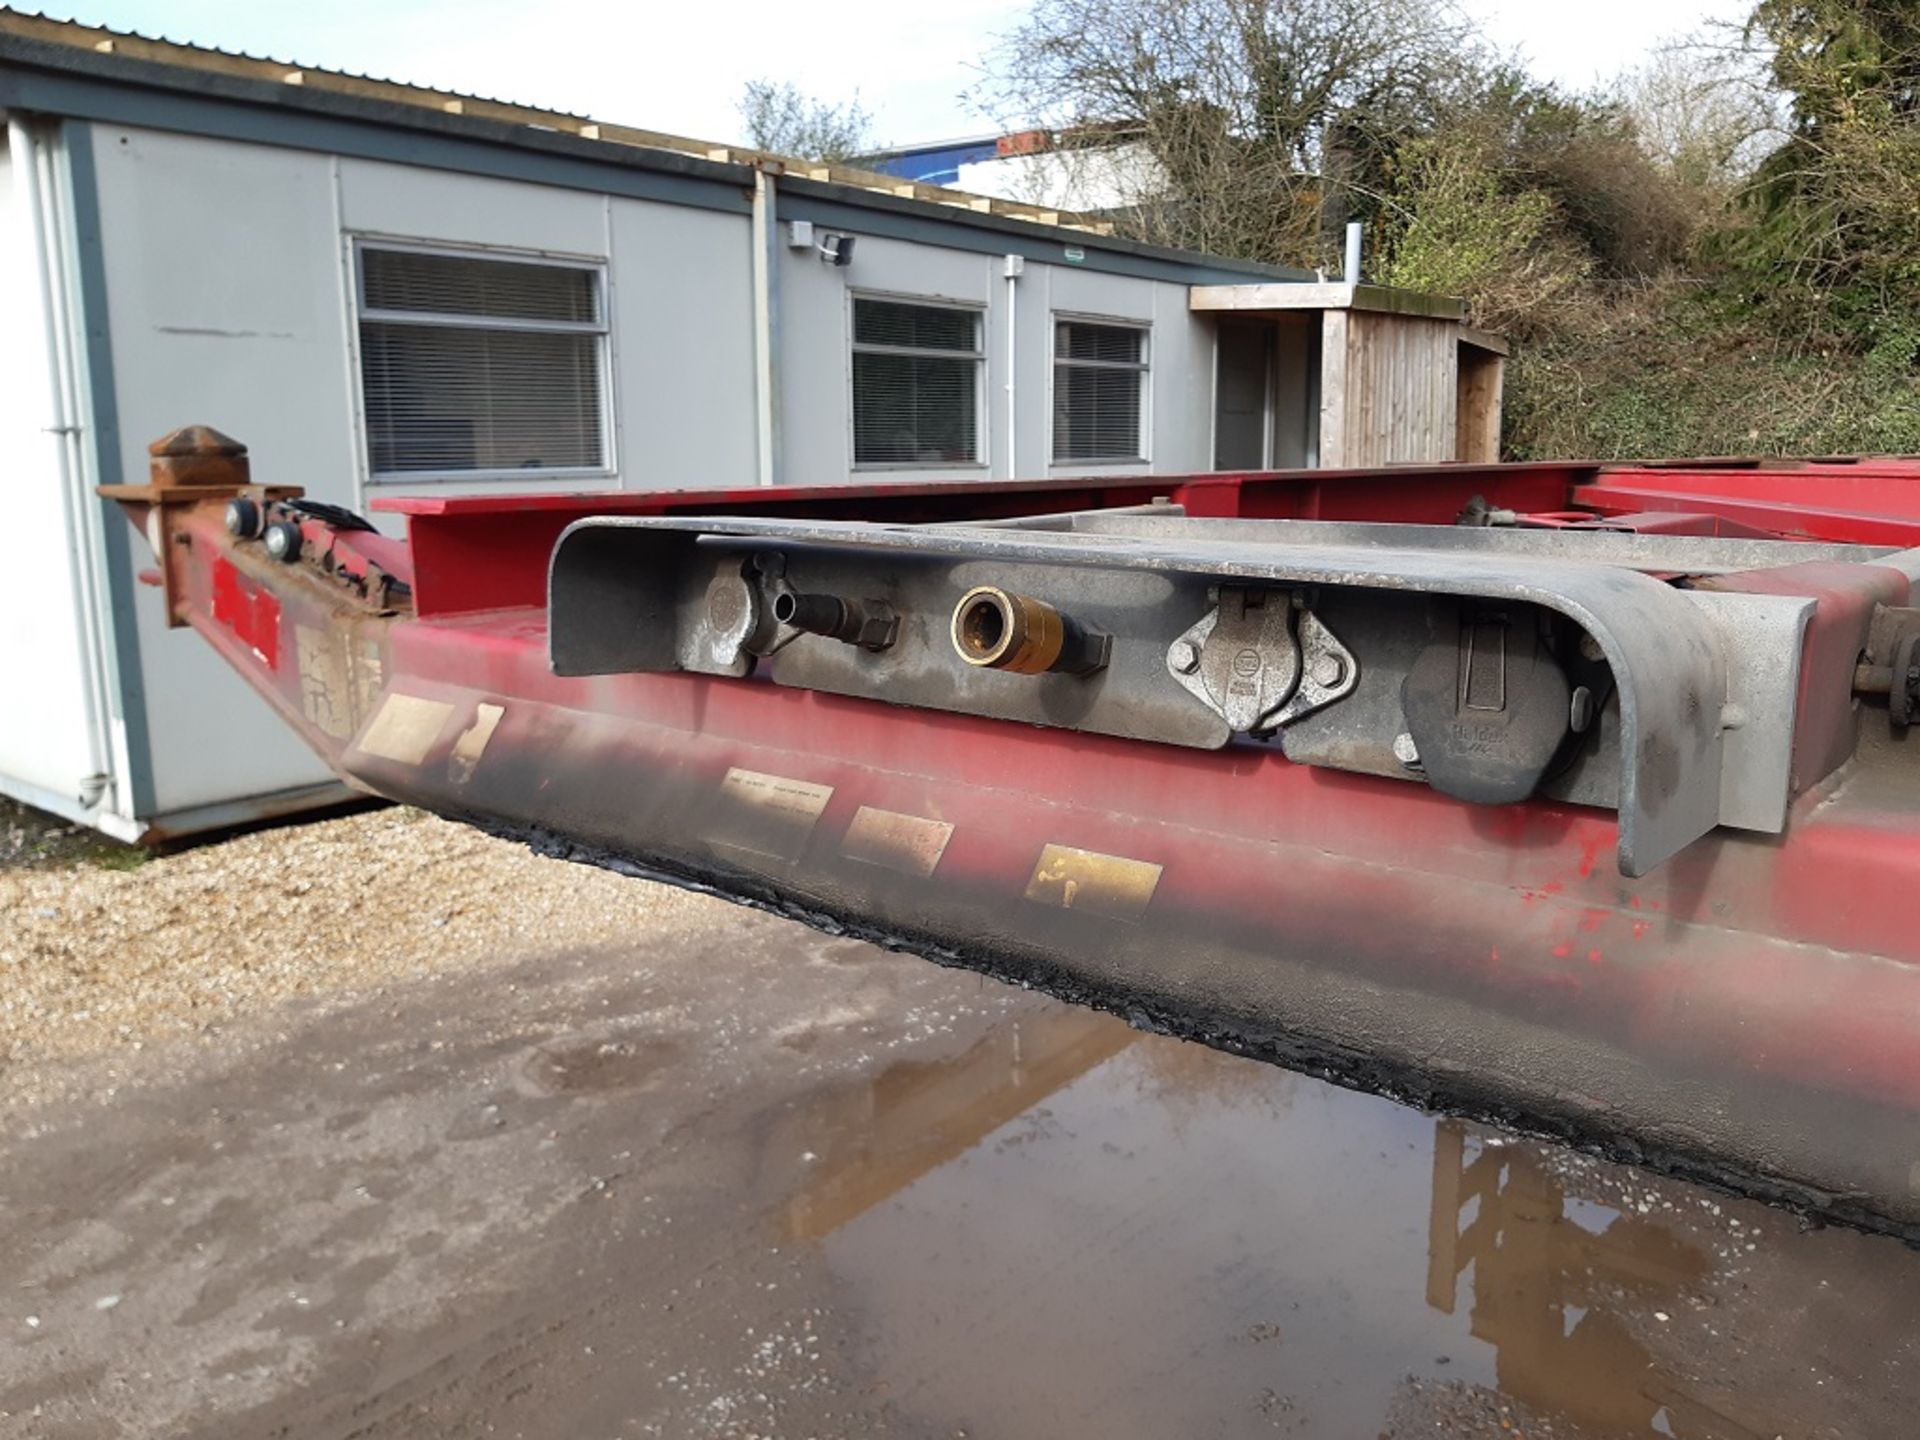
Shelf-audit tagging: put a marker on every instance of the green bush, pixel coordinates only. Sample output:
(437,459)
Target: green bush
(1672,376)
(1687,266)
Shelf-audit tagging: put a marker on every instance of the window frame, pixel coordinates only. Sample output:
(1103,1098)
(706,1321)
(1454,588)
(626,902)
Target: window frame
(1143,369)
(360,312)
(982,442)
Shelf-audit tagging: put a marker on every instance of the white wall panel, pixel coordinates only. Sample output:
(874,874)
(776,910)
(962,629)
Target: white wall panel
(683,334)
(43,735)
(1178,414)
(816,347)
(225,303)
(405,200)
(1033,373)
(1183,389)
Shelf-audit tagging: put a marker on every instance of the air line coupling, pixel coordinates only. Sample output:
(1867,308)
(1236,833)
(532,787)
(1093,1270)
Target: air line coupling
(996,629)
(870,624)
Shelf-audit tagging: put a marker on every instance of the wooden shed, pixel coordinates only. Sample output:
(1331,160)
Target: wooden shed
(1350,375)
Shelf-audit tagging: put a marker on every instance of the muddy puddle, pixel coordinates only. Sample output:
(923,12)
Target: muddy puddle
(789,1186)
(1074,1229)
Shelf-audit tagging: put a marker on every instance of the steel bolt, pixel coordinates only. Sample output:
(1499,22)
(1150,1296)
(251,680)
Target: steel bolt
(1405,751)
(1184,656)
(283,541)
(243,518)
(1328,671)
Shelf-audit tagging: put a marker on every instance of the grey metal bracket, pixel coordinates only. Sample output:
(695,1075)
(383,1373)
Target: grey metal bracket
(1258,660)
(1668,658)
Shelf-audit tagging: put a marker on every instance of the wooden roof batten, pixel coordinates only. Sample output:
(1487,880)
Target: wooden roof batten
(207,60)
(1324,295)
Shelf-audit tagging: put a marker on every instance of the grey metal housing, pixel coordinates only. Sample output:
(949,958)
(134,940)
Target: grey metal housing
(1704,684)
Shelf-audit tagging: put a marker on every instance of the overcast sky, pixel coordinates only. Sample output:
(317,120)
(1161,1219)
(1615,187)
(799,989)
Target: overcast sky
(681,67)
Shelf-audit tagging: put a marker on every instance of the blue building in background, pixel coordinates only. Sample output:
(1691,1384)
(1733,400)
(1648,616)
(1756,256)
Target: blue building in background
(933,164)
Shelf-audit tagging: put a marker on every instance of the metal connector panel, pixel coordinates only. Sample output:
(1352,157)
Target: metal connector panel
(1487,674)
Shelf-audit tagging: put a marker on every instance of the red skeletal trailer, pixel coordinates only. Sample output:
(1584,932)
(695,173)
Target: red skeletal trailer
(1570,795)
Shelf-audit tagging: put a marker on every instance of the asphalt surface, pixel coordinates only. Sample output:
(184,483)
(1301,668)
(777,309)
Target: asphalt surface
(654,1165)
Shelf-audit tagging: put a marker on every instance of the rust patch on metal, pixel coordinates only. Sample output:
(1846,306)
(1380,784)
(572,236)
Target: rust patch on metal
(1109,885)
(366,676)
(190,467)
(768,815)
(472,743)
(911,844)
(324,695)
(405,729)
(340,678)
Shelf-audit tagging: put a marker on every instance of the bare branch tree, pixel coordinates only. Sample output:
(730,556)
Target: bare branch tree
(1256,121)
(782,119)
(1707,111)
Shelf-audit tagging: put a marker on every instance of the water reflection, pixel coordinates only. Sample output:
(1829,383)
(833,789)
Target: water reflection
(916,1115)
(1548,1282)
(1072,1228)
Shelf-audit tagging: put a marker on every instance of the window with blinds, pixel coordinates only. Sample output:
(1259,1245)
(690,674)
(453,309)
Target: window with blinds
(478,365)
(916,384)
(1099,387)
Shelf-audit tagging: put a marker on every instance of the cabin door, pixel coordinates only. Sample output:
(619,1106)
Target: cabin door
(1243,395)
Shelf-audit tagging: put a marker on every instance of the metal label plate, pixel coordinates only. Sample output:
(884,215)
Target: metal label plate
(405,728)
(472,743)
(911,844)
(765,814)
(1109,885)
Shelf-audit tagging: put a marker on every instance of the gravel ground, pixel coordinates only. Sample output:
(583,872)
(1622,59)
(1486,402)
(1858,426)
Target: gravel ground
(94,957)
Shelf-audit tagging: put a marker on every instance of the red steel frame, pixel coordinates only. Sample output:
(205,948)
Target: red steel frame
(1865,502)
(1779,959)
(483,552)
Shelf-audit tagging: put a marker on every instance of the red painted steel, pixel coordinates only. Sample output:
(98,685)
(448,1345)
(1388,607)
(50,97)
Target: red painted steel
(249,610)
(1869,502)
(358,552)
(1729,952)
(1530,909)
(483,552)
(1750,971)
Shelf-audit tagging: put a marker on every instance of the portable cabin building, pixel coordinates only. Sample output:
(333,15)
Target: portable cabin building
(389,290)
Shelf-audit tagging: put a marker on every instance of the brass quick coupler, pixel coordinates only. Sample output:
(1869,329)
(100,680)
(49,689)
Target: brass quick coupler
(996,629)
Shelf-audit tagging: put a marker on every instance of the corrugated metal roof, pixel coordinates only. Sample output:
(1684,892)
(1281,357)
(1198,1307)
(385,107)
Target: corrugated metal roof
(41,25)
(47,29)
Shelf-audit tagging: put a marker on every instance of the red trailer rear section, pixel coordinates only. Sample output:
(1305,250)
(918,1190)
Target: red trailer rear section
(1593,814)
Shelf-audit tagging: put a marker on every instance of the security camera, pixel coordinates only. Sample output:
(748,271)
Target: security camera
(837,250)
